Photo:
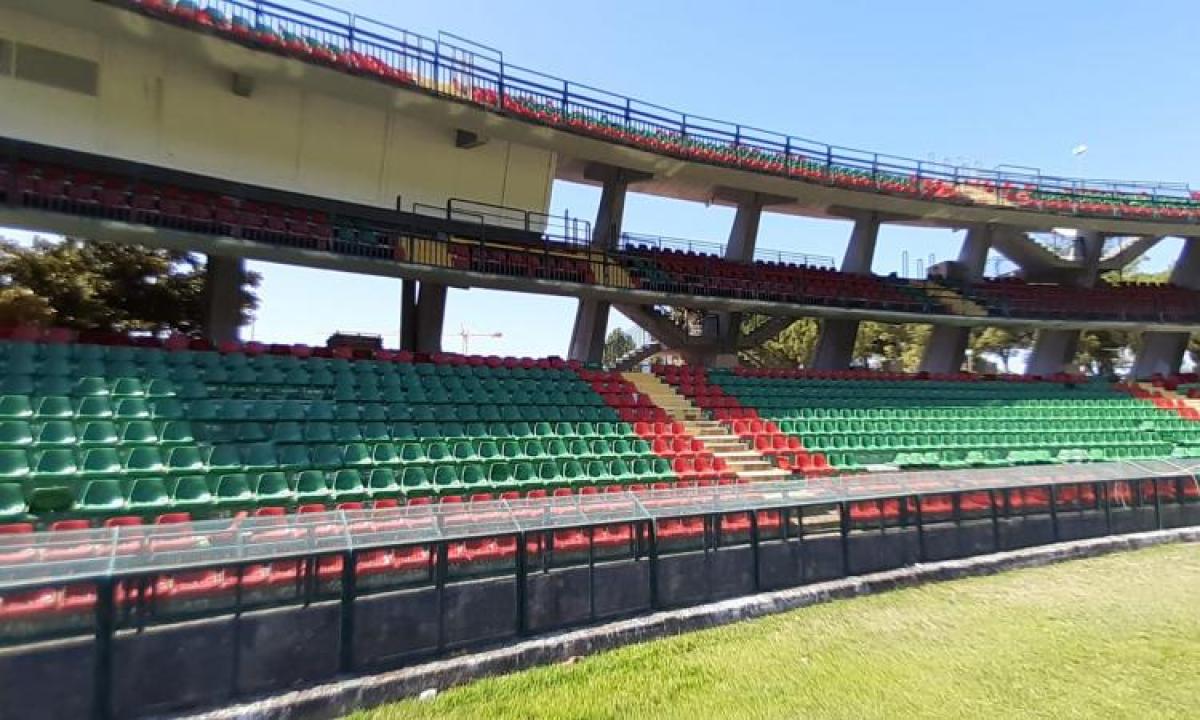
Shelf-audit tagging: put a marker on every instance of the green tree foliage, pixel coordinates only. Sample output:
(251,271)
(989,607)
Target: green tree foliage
(106,286)
(794,347)
(618,344)
(999,342)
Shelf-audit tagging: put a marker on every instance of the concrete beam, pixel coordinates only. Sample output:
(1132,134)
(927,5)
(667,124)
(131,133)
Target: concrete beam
(1162,352)
(408,314)
(1126,255)
(587,335)
(224,277)
(431,317)
(1027,254)
(948,345)
(767,331)
(835,347)
(660,327)
(1053,351)
(860,251)
(591,317)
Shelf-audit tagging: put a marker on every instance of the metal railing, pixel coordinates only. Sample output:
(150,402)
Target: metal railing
(446,66)
(636,241)
(467,236)
(140,549)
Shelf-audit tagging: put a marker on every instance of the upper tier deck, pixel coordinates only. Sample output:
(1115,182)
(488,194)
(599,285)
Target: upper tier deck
(689,157)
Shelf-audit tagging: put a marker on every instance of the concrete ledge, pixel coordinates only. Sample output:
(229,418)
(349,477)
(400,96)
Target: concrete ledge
(340,698)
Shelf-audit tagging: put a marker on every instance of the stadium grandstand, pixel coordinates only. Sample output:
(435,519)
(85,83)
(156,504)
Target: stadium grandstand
(193,520)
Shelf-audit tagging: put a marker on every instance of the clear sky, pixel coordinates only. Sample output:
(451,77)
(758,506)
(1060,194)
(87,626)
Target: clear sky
(973,83)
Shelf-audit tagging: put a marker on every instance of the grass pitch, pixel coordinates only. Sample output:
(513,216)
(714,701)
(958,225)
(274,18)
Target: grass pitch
(1111,637)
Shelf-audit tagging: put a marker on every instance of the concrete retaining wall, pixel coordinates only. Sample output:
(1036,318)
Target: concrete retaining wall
(337,699)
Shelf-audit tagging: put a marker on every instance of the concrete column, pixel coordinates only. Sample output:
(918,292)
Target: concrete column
(408,315)
(224,278)
(743,237)
(591,327)
(948,344)
(835,347)
(591,317)
(1053,350)
(1162,352)
(431,316)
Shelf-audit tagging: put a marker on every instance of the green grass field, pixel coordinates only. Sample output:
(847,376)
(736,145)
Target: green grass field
(1113,637)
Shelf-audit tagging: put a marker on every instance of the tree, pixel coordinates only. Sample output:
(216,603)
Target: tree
(107,286)
(617,345)
(1000,342)
(793,347)
(891,347)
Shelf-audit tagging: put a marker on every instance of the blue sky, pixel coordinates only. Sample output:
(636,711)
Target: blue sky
(973,83)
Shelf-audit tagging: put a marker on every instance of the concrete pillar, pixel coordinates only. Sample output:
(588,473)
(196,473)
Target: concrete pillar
(591,327)
(1053,350)
(1162,352)
(431,316)
(223,279)
(408,315)
(835,347)
(743,237)
(948,344)
(591,317)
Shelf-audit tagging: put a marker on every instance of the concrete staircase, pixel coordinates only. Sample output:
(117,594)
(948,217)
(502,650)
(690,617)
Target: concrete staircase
(634,357)
(1180,398)
(742,459)
(979,195)
(951,300)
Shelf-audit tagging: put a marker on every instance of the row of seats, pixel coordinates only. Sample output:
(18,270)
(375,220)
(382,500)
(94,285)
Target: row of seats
(209,432)
(1012,297)
(949,424)
(64,190)
(692,273)
(297,37)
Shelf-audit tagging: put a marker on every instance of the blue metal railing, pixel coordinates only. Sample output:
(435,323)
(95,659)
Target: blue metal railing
(482,75)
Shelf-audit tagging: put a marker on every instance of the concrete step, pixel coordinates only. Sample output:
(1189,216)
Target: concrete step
(750,465)
(727,448)
(775,474)
(739,455)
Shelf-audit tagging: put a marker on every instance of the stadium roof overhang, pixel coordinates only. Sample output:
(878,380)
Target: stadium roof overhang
(672,178)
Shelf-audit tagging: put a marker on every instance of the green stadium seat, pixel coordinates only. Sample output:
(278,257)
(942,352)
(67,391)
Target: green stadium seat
(382,484)
(16,434)
(54,407)
(141,461)
(138,432)
(312,487)
(272,489)
(56,434)
(101,497)
(232,493)
(12,503)
(414,482)
(147,496)
(348,486)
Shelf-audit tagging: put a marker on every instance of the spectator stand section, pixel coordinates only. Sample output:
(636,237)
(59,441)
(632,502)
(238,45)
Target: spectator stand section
(862,420)
(499,242)
(140,620)
(316,33)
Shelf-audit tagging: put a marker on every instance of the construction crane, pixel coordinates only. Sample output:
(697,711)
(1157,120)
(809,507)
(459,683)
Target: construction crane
(465,336)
